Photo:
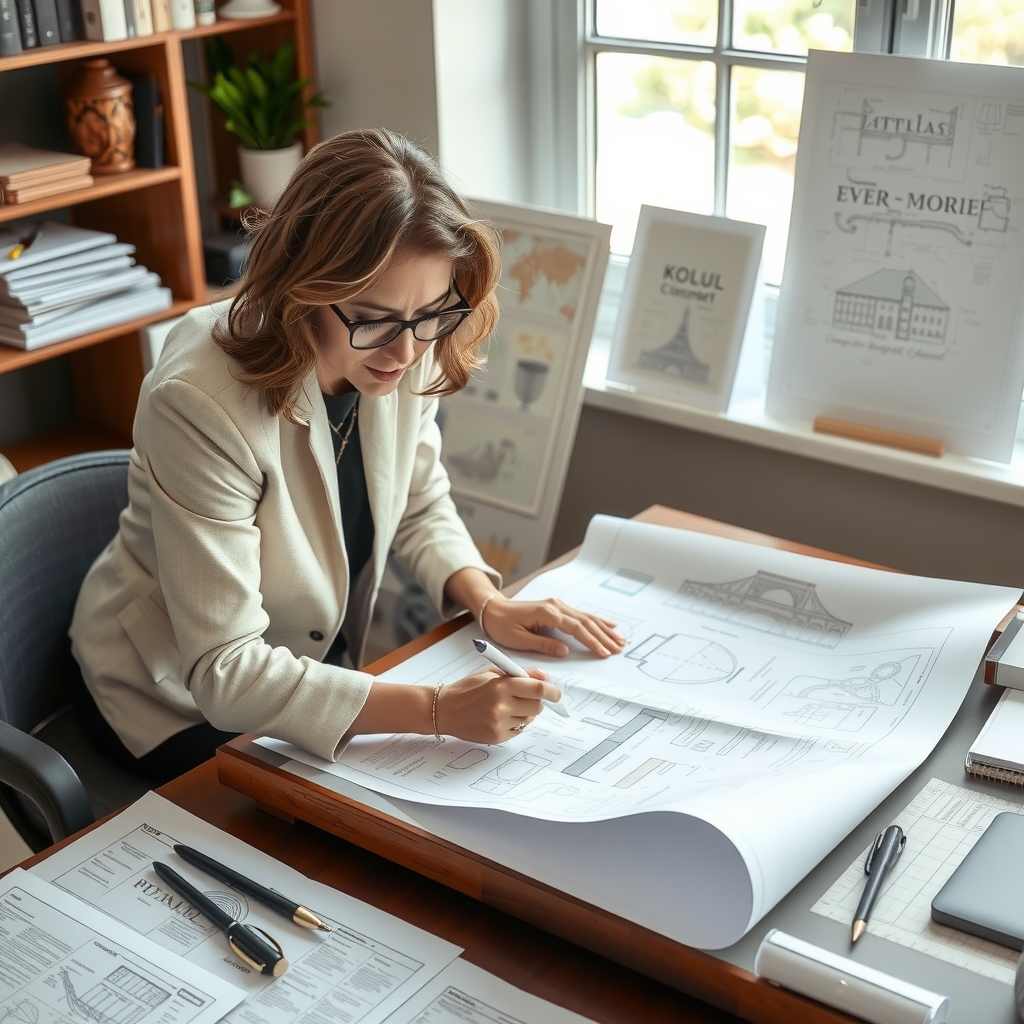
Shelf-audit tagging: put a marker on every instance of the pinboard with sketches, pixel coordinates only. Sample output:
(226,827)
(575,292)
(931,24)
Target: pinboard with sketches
(900,302)
(685,310)
(508,435)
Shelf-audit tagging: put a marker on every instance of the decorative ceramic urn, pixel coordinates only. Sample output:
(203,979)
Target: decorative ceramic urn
(100,116)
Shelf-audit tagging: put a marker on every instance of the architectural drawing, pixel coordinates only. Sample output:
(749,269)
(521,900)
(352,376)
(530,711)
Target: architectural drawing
(676,355)
(510,773)
(652,764)
(766,601)
(850,223)
(24,1011)
(844,717)
(883,684)
(123,997)
(682,659)
(627,581)
(643,718)
(892,304)
(487,462)
(530,378)
(929,130)
(995,211)
(468,759)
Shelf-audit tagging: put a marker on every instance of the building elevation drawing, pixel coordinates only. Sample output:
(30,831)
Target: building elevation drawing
(766,601)
(892,304)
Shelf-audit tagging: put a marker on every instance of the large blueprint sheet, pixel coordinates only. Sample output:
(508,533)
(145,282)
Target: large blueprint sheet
(766,702)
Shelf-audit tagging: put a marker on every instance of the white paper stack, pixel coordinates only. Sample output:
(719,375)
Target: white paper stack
(70,281)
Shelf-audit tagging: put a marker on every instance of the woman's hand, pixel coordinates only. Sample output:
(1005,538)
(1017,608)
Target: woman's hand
(517,624)
(488,707)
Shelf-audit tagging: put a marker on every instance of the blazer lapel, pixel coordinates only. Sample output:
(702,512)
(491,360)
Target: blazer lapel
(311,409)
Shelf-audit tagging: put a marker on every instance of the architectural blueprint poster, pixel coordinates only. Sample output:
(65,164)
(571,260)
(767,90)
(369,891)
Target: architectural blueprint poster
(900,304)
(762,696)
(685,308)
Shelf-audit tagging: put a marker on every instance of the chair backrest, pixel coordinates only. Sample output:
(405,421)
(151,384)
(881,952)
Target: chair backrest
(54,521)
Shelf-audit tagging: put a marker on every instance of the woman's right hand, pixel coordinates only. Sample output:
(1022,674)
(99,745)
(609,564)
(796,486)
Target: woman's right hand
(490,707)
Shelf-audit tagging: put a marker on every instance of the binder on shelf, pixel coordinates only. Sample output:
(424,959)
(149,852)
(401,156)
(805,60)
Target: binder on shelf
(143,14)
(47,26)
(69,20)
(10,33)
(27,23)
(104,20)
(149,121)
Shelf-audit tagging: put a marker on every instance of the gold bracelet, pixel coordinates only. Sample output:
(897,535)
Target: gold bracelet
(433,712)
(480,616)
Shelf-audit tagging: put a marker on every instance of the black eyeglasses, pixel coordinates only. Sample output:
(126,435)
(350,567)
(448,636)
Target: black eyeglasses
(363,334)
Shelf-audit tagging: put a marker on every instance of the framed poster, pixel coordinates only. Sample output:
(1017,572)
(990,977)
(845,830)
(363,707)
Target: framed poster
(901,298)
(686,305)
(508,434)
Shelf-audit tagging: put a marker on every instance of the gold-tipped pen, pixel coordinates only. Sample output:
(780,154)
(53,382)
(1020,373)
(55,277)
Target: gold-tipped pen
(308,919)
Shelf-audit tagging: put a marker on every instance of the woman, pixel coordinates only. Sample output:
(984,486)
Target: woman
(282,449)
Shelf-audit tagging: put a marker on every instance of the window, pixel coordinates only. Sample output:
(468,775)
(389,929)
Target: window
(695,104)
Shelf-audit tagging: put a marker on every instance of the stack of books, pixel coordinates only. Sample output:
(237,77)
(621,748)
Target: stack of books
(68,281)
(27,173)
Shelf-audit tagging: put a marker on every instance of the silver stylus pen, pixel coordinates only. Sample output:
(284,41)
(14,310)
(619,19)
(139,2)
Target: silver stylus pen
(510,668)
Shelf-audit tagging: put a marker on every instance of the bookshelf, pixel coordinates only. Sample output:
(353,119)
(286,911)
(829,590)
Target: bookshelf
(156,210)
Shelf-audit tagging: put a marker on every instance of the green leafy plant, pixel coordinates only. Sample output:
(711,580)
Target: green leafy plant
(261,102)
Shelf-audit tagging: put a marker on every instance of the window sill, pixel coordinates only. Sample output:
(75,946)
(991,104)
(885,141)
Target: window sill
(748,423)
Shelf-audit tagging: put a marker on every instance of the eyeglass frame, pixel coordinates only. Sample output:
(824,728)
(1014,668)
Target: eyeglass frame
(462,306)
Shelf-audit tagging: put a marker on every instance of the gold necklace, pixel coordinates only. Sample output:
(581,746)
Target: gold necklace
(348,433)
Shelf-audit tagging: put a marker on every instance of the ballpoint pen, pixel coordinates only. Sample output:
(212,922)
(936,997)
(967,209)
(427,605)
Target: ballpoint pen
(510,668)
(265,957)
(269,897)
(23,243)
(882,857)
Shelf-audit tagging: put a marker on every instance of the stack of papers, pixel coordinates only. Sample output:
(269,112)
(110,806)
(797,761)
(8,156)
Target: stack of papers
(27,173)
(70,281)
(96,935)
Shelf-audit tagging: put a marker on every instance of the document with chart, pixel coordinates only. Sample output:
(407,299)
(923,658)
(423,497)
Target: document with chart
(366,966)
(61,960)
(900,303)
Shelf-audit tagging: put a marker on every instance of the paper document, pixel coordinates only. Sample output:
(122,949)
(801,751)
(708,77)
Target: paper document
(774,698)
(942,823)
(61,960)
(368,965)
(465,994)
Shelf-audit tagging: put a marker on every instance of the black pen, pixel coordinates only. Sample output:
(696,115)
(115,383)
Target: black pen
(289,908)
(881,859)
(265,957)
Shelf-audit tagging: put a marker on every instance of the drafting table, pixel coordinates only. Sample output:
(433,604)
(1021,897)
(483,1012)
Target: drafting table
(724,977)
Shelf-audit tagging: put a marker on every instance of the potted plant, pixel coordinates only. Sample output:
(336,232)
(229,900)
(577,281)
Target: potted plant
(264,107)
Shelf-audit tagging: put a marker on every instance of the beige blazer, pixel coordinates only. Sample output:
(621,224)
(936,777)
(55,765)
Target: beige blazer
(228,579)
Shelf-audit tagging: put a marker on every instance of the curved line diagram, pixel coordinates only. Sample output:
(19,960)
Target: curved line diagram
(894,220)
(683,659)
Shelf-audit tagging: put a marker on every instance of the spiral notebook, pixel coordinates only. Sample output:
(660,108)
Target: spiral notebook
(998,752)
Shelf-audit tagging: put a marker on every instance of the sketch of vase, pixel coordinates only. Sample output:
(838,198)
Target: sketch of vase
(530,378)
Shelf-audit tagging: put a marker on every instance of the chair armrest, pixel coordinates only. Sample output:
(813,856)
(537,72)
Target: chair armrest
(40,773)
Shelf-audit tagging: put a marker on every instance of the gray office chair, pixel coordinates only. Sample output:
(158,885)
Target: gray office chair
(54,521)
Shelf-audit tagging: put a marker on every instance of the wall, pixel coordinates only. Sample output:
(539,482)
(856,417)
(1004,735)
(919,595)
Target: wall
(375,62)
(621,464)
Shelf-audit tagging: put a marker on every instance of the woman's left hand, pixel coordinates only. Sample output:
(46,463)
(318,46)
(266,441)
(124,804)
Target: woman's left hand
(517,624)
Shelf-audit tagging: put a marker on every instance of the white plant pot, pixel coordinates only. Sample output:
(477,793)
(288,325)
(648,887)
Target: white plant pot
(265,172)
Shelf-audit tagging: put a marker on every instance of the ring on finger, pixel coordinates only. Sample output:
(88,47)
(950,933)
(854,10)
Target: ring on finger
(518,728)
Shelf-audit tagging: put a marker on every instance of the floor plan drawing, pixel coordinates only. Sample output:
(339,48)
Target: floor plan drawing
(766,601)
(510,773)
(627,581)
(468,759)
(123,997)
(845,717)
(683,659)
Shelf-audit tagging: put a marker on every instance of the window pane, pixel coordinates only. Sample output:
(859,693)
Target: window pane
(655,139)
(763,137)
(663,21)
(794,26)
(988,31)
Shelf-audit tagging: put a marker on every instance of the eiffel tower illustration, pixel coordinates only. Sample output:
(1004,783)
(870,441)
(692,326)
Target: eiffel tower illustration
(676,355)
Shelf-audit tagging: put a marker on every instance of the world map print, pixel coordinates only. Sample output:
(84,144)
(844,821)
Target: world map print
(542,275)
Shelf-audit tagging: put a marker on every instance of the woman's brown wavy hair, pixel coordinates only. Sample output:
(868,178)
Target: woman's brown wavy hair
(354,201)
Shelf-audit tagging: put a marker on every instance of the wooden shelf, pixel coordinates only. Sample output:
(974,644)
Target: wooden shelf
(77,51)
(103,186)
(16,358)
(57,444)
